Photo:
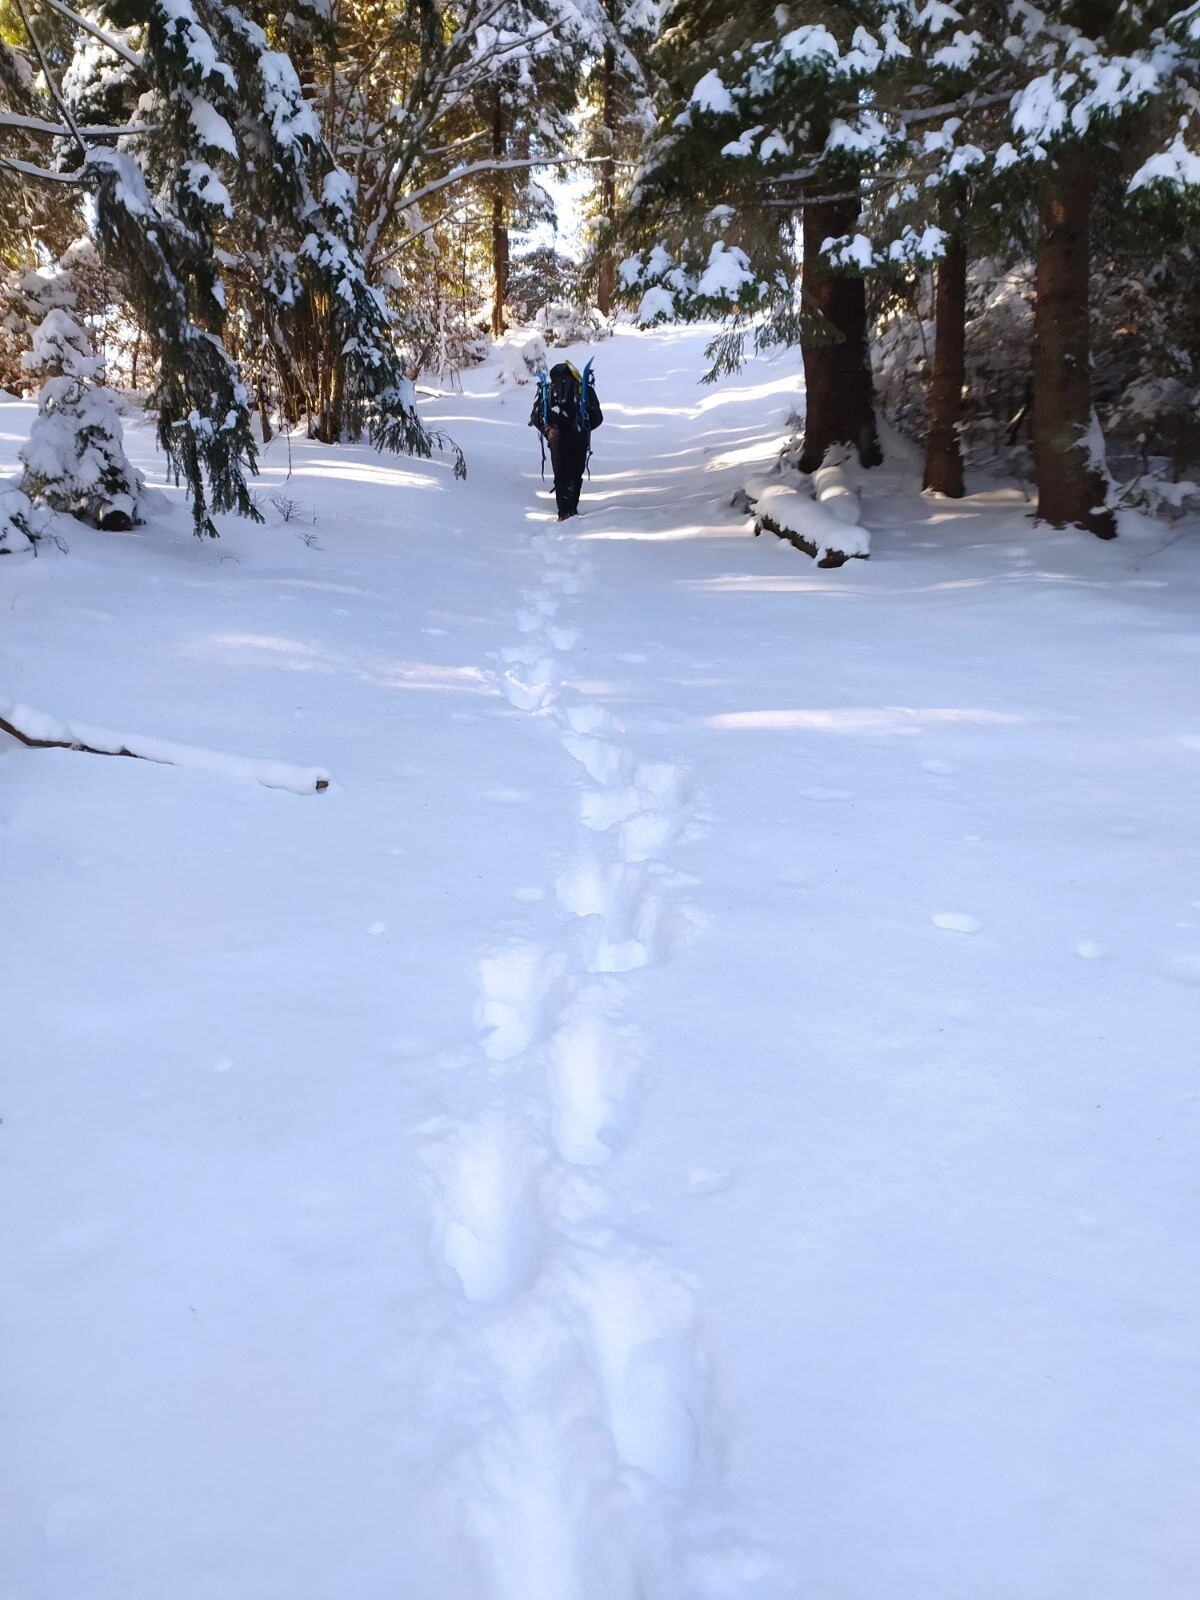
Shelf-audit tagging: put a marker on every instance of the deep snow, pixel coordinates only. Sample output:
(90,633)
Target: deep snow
(703,1106)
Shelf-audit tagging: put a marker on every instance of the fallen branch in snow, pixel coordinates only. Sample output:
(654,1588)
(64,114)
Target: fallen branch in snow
(37,731)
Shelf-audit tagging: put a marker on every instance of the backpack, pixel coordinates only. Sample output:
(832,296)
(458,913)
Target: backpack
(564,392)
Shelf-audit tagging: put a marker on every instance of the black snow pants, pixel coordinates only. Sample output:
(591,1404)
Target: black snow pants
(569,453)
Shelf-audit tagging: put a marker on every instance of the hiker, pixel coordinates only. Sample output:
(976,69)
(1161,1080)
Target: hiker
(565,413)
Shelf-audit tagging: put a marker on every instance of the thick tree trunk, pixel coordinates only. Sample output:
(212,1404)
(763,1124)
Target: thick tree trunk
(1070,483)
(840,399)
(943,453)
(500,252)
(606,267)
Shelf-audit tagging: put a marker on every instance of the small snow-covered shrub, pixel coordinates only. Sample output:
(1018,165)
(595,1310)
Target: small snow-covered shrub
(520,355)
(75,457)
(21,524)
(564,324)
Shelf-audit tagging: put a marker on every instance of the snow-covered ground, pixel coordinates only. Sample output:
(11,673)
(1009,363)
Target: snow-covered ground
(704,1107)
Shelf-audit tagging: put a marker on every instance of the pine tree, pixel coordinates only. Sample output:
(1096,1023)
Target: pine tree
(1059,100)
(618,116)
(750,172)
(74,459)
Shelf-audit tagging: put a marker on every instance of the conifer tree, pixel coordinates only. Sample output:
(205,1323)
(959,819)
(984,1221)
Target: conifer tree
(74,459)
(750,172)
(618,116)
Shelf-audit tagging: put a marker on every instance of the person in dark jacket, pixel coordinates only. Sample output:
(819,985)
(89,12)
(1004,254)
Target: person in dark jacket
(557,416)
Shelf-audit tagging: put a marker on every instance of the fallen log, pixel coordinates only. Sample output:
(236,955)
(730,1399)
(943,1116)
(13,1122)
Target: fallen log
(790,514)
(37,731)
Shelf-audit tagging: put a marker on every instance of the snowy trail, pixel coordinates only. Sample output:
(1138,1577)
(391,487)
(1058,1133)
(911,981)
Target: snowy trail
(600,1445)
(702,1108)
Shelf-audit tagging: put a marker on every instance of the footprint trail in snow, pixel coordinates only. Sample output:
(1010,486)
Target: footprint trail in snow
(593,1454)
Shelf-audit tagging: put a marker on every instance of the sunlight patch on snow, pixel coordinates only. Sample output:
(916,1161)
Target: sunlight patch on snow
(858,719)
(383,672)
(661,535)
(372,472)
(757,450)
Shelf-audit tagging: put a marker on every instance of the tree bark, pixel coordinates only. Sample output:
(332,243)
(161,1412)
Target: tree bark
(606,267)
(500,251)
(1071,485)
(943,453)
(840,397)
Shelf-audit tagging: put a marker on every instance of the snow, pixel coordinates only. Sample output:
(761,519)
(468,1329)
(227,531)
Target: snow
(710,94)
(1176,165)
(656,303)
(702,1108)
(211,127)
(835,491)
(726,274)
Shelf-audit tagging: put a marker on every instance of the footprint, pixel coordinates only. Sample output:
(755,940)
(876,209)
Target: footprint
(630,929)
(589,718)
(956,922)
(642,1326)
(670,785)
(516,988)
(602,809)
(492,1232)
(650,835)
(594,1066)
(604,762)
(563,638)
(939,768)
(532,692)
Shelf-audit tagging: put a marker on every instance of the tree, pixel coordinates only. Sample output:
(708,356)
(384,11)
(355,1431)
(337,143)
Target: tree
(74,460)
(749,175)
(618,116)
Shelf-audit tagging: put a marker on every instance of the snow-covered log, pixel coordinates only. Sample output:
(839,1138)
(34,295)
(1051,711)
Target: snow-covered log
(791,514)
(38,731)
(788,510)
(835,492)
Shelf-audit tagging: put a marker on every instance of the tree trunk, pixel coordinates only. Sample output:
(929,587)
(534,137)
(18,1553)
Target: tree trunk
(499,223)
(840,399)
(606,267)
(1070,483)
(943,454)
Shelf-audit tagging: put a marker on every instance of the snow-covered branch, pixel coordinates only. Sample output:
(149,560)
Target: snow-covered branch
(98,33)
